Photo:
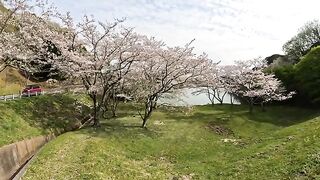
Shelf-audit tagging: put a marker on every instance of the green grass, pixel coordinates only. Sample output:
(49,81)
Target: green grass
(30,117)
(282,143)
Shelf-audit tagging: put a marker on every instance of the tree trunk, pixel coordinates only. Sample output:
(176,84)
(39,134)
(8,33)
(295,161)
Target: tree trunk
(146,116)
(149,107)
(210,98)
(114,107)
(262,107)
(96,121)
(251,106)
(114,104)
(144,123)
(114,112)
(220,99)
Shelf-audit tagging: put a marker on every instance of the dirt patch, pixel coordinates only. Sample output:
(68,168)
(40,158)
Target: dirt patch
(220,129)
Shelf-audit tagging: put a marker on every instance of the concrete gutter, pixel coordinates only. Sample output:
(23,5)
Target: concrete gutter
(15,156)
(23,169)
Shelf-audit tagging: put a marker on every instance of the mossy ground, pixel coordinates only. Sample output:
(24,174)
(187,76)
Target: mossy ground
(282,143)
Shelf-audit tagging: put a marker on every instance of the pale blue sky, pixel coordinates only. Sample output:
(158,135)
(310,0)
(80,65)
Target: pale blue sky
(227,30)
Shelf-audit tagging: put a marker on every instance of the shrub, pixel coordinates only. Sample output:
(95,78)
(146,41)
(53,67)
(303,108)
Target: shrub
(307,75)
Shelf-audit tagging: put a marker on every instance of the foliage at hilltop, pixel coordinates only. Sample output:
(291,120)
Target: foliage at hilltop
(303,77)
(308,75)
(308,37)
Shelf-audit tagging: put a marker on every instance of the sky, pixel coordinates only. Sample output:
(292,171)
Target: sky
(227,30)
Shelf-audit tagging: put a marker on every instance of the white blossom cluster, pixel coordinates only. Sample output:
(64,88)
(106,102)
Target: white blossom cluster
(247,80)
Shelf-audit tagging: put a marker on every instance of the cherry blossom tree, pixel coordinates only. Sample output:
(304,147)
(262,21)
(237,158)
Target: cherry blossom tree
(25,36)
(228,77)
(91,52)
(213,84)
(99,55)
(119,92)
(255,86)
(163,69)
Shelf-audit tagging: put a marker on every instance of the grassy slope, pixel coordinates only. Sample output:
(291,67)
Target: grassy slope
(12,82)
(278,144)
(29,117)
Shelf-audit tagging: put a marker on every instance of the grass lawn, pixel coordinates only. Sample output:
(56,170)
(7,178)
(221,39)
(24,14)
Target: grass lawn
(34,116)
(220,142)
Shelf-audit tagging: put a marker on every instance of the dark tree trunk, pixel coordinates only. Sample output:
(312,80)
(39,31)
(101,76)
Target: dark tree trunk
(114,107)
(144,123)
(114,103)
(220,98)
(251,105)
(212,101)
(210,98)
(262,107)
(250,108)
(146,118)
(147,114)
(114,113)
(149,107)
(96,121)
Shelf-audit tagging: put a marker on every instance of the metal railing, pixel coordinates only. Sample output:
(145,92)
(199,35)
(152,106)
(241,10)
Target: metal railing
(71,88)
(29,94)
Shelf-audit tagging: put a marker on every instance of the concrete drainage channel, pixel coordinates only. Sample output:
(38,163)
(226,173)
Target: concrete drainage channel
(14,156)
(21,171)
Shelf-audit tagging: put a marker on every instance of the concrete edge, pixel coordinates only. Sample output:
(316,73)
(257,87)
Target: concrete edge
(14,156)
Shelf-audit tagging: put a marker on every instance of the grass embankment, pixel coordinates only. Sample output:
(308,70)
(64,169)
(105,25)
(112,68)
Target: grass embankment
(30,117)
(205,143)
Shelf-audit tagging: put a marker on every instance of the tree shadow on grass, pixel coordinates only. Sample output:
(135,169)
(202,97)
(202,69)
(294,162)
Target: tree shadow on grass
(207,113)
(128,109)
(221,114)
(217,118)
(117,128)
(283,116)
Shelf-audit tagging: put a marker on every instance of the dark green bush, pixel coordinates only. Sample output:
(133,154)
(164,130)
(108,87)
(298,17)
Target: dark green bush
(303,78)
(307,75)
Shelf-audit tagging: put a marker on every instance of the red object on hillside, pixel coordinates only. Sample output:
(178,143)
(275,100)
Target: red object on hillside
(32,89)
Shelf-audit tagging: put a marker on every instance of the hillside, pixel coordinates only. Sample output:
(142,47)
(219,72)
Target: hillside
(11,81)
(35,116)
(204,143)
